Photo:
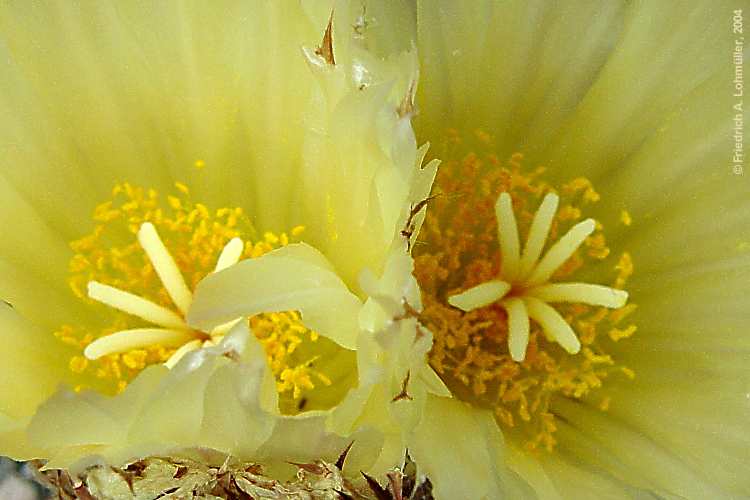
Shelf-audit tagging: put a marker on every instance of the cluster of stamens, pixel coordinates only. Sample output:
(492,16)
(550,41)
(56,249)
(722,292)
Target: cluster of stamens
(522,288)
(171,329)
(145,280)
(498,341)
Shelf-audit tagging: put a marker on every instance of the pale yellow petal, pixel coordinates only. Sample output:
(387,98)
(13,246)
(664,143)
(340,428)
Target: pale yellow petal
(652,42)
(611,443)
(202,401)
(296,277)
(522,105)
(233,415)
(33,261)
(35,360)
(460,449)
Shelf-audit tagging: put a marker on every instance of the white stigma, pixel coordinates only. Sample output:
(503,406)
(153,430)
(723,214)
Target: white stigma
(523,290)
(508,236)
(560,252)
(480,295)
(126,340)
(165,267)
(173,331)
(135,305)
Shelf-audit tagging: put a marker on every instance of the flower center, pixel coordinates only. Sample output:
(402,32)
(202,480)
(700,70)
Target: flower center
(138,269)
(496,262)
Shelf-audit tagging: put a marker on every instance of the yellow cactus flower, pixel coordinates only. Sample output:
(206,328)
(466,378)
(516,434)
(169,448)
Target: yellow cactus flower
(619,113)
(143,162)
(224,245)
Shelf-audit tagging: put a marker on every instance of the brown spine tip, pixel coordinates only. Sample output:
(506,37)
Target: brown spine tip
(404,387)
(342,457)
(325,50)
(380,492)
(407,108)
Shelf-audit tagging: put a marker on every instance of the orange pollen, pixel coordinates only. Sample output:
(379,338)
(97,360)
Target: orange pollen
(458,249)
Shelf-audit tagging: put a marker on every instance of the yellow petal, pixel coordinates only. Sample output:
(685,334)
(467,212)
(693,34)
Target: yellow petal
(464,83)
(295,277)
(36,362)
(451,429)
(202,401)
(233,415)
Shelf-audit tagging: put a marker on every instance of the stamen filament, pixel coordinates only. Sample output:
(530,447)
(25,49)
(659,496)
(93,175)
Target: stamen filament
(165,267)
(480,295)
(538,234)
(595,295)
(561,251)
(553,324)
(127,340)
(518,328)
(508,236)
(135,305)
(230,255)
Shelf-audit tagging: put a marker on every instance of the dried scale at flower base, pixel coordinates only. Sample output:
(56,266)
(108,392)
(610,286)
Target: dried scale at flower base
(189,479)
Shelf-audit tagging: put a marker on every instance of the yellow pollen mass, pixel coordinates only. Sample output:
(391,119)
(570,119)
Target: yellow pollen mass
(496,262)
(625,217)
(138,268)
